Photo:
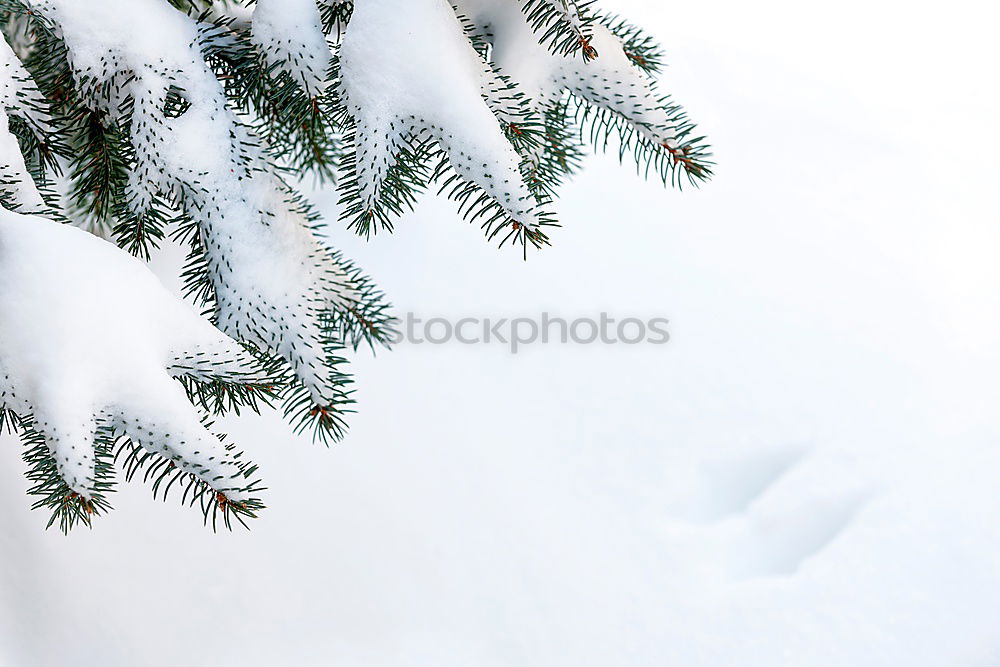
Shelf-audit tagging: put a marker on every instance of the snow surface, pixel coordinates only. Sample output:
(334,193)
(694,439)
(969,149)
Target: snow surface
(806,475)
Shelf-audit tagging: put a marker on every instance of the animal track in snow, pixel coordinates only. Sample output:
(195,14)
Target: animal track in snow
(777,543)
(730,486)
(771,510)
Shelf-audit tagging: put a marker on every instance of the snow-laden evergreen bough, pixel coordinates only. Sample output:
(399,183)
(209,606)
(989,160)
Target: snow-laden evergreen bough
(143,120)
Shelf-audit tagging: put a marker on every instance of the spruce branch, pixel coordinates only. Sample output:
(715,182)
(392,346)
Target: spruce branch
(564,25)
(199,141)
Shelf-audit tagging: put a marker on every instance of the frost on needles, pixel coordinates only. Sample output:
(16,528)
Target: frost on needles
(142,120)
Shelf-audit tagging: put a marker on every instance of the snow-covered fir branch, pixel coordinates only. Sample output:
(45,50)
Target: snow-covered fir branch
(189,120)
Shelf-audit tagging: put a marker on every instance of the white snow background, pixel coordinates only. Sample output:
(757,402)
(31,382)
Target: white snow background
(806,475)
